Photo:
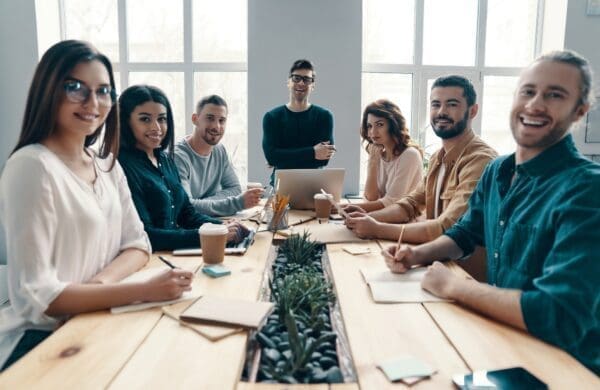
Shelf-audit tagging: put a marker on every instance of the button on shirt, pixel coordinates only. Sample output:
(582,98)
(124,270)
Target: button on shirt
(542,234)
(164,207)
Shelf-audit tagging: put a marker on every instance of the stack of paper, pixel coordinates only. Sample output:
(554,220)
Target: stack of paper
(144,275)
(388,287)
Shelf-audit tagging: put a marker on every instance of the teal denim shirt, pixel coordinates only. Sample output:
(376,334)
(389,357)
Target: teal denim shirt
(542,235)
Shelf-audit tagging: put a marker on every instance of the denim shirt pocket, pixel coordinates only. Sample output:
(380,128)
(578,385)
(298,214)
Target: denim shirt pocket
(520,250)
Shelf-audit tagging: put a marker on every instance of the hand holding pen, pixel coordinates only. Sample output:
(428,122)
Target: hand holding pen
(324,150)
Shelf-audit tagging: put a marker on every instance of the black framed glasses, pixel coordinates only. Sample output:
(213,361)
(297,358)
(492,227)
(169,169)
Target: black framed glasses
(296,78)
(77,92)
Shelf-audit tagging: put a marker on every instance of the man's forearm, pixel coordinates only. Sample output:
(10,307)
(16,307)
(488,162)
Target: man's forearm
(500,304)
(390,214)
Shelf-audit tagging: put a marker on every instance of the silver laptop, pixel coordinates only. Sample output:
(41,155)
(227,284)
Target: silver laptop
(302,184)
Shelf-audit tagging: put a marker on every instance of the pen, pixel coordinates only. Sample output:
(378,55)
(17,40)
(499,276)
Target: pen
(167,262)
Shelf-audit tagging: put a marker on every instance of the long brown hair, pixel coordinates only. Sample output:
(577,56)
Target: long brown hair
(46,94)
(386,109)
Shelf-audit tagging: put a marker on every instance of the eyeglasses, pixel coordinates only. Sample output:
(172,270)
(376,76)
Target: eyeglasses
(77,92)
(296,78)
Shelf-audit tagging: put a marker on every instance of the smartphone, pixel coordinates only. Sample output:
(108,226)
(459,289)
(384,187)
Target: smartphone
(514,378)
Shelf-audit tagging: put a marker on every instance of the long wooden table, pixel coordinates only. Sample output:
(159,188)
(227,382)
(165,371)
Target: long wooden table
(150,350)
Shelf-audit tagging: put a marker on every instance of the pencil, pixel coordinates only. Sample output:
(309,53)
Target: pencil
(400,238)
(167,262)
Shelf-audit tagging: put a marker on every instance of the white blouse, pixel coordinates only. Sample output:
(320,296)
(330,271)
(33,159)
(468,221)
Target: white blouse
(398,177)
(59,230)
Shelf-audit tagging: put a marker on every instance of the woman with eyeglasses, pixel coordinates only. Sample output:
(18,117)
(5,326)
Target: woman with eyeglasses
(72,231)
(147,142)
(395,164)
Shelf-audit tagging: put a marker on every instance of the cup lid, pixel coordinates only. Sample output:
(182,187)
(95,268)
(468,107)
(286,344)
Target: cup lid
(213,229)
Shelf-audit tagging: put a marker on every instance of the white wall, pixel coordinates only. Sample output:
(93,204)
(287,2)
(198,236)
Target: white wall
(582,34)
(329,33)
(18,45)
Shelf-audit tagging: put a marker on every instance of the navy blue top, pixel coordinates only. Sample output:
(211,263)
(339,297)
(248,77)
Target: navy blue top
(289,137)
(542,235)
(163,205)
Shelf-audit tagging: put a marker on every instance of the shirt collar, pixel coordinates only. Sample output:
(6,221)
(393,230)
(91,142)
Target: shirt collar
(550,159)
(450,157)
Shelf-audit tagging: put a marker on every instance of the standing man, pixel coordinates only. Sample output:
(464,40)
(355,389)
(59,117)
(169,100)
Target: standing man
(204,168)
(537,212)
(298,134)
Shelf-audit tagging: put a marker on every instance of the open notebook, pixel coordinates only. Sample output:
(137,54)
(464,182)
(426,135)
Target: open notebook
(230,249)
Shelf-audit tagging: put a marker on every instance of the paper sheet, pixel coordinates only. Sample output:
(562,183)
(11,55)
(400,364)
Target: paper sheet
(329,233)
(3,285)
(388,287)
(144,275)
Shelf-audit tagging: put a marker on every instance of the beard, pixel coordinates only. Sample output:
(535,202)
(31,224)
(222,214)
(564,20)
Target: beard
(453,131)
(211,138)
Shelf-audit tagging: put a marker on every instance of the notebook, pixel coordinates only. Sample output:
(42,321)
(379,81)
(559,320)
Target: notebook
(231,249)
(143,276)
(216,310)
(302,185)
(388,287)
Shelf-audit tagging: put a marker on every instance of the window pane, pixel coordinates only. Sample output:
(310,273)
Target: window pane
(47,24)
(172,85)
(497,101)
(431,142)
(155,30)
(449,32)
(96,22)
(394,87)
(220,30)
(510,32)
(388,31)
(233,87)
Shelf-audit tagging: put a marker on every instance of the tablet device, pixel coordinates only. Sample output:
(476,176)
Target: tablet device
(514,378)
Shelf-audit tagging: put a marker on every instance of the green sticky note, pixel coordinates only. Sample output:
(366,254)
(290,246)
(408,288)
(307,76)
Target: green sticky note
(405,367)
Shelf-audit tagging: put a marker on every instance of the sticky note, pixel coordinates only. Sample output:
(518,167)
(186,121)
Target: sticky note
(405,368)
(215,271)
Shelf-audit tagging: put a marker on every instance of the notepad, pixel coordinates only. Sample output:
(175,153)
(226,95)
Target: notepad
(216,310)
(407,369)
(211,332)
(388,287)
(144,275)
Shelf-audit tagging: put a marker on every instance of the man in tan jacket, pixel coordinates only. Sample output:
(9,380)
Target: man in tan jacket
(453,172)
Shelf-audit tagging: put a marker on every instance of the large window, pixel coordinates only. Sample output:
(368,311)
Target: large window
(408,43)
(188,48)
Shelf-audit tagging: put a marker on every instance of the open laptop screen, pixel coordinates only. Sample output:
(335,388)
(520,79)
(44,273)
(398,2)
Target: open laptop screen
(302,184)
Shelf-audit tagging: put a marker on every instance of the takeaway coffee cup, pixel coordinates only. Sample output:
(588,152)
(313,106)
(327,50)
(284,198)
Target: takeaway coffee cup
(323,205)
(251,185)
(213,239)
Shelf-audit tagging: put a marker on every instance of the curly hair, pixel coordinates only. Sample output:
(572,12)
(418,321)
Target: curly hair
(398,131)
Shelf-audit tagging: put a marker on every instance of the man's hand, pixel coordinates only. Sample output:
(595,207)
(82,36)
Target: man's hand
(351,208)
(440,280)
(399,260)
(236,232)
(252,197)
(364,226)
(324,151)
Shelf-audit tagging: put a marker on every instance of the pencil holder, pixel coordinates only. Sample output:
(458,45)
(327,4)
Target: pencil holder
(277,220)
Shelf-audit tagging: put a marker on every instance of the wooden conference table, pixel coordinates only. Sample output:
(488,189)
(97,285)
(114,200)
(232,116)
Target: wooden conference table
(147,349)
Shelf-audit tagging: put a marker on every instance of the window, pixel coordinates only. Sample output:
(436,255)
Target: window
(188,48)
(408,43)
